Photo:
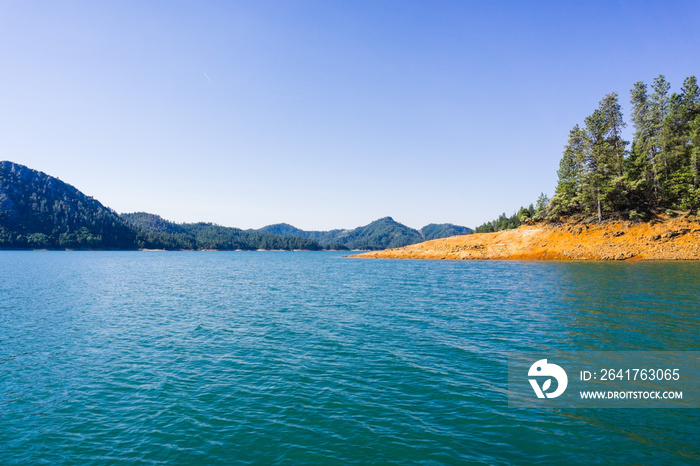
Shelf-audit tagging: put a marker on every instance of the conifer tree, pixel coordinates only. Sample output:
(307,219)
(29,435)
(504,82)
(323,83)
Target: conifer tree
(596,174)
(612,114)
(566,196)
(639,164)
(657,113)
(695,156)
(690,98)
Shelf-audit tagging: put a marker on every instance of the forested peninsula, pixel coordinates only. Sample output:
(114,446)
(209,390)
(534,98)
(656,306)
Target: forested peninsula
(614,199)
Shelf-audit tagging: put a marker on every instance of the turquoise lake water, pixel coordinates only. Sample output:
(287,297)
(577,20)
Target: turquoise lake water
(313,358)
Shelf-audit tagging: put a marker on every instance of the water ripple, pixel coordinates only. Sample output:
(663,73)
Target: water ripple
(288,358)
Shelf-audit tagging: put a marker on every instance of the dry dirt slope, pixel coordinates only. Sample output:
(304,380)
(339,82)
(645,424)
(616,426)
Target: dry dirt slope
(669,239)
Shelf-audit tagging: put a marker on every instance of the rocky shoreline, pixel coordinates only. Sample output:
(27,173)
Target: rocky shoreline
(659,239)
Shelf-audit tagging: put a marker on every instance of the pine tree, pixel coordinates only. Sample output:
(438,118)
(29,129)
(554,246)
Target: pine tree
(596,174)
(677,184)
(612,114)
(695,155)
(566,196)
(640,161)
(657,113)
(640,175)
(617,188)
(690,97)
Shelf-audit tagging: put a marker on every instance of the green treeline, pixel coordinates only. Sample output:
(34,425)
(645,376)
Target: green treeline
(384,233)
(38,211)
(153,232)
(524,215)
(601,175)
(443,230)
(380,234)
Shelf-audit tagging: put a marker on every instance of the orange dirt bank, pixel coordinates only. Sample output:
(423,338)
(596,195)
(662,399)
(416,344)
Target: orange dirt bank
(665,239)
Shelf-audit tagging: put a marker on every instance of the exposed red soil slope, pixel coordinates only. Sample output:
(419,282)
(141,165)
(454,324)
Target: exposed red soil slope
(660,239)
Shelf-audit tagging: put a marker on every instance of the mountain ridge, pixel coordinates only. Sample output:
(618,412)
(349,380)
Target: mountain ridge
(157,233)
(38,211)
(41,211)
(380,234)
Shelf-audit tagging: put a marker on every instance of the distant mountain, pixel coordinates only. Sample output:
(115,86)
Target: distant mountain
(444,230)
(325,238)
(154,223)
(40,211)
(156,233)
(380,234)
(285,229)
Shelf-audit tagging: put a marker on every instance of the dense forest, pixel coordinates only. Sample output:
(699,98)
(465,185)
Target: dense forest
(602,175)
(380,234)
(156,233)
(326,239)
(38,211)
(443,230)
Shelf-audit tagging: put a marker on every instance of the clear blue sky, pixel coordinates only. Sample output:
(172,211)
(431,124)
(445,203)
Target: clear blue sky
(322,114)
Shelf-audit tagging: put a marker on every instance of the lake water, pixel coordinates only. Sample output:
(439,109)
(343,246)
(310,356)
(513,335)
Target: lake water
(313,358)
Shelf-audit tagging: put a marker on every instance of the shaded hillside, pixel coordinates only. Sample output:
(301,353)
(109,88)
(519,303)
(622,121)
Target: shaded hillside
(661,239)
(325,238)
(153,223)
(380,234)
(155,232)
(40,211)
(443,230)
(285,229)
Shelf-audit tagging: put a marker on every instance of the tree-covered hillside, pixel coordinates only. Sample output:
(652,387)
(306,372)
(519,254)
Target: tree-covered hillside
(40,211)
(325,238)
(380,234)
(443,230)
(601,175)
(285,229)
(156,233)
